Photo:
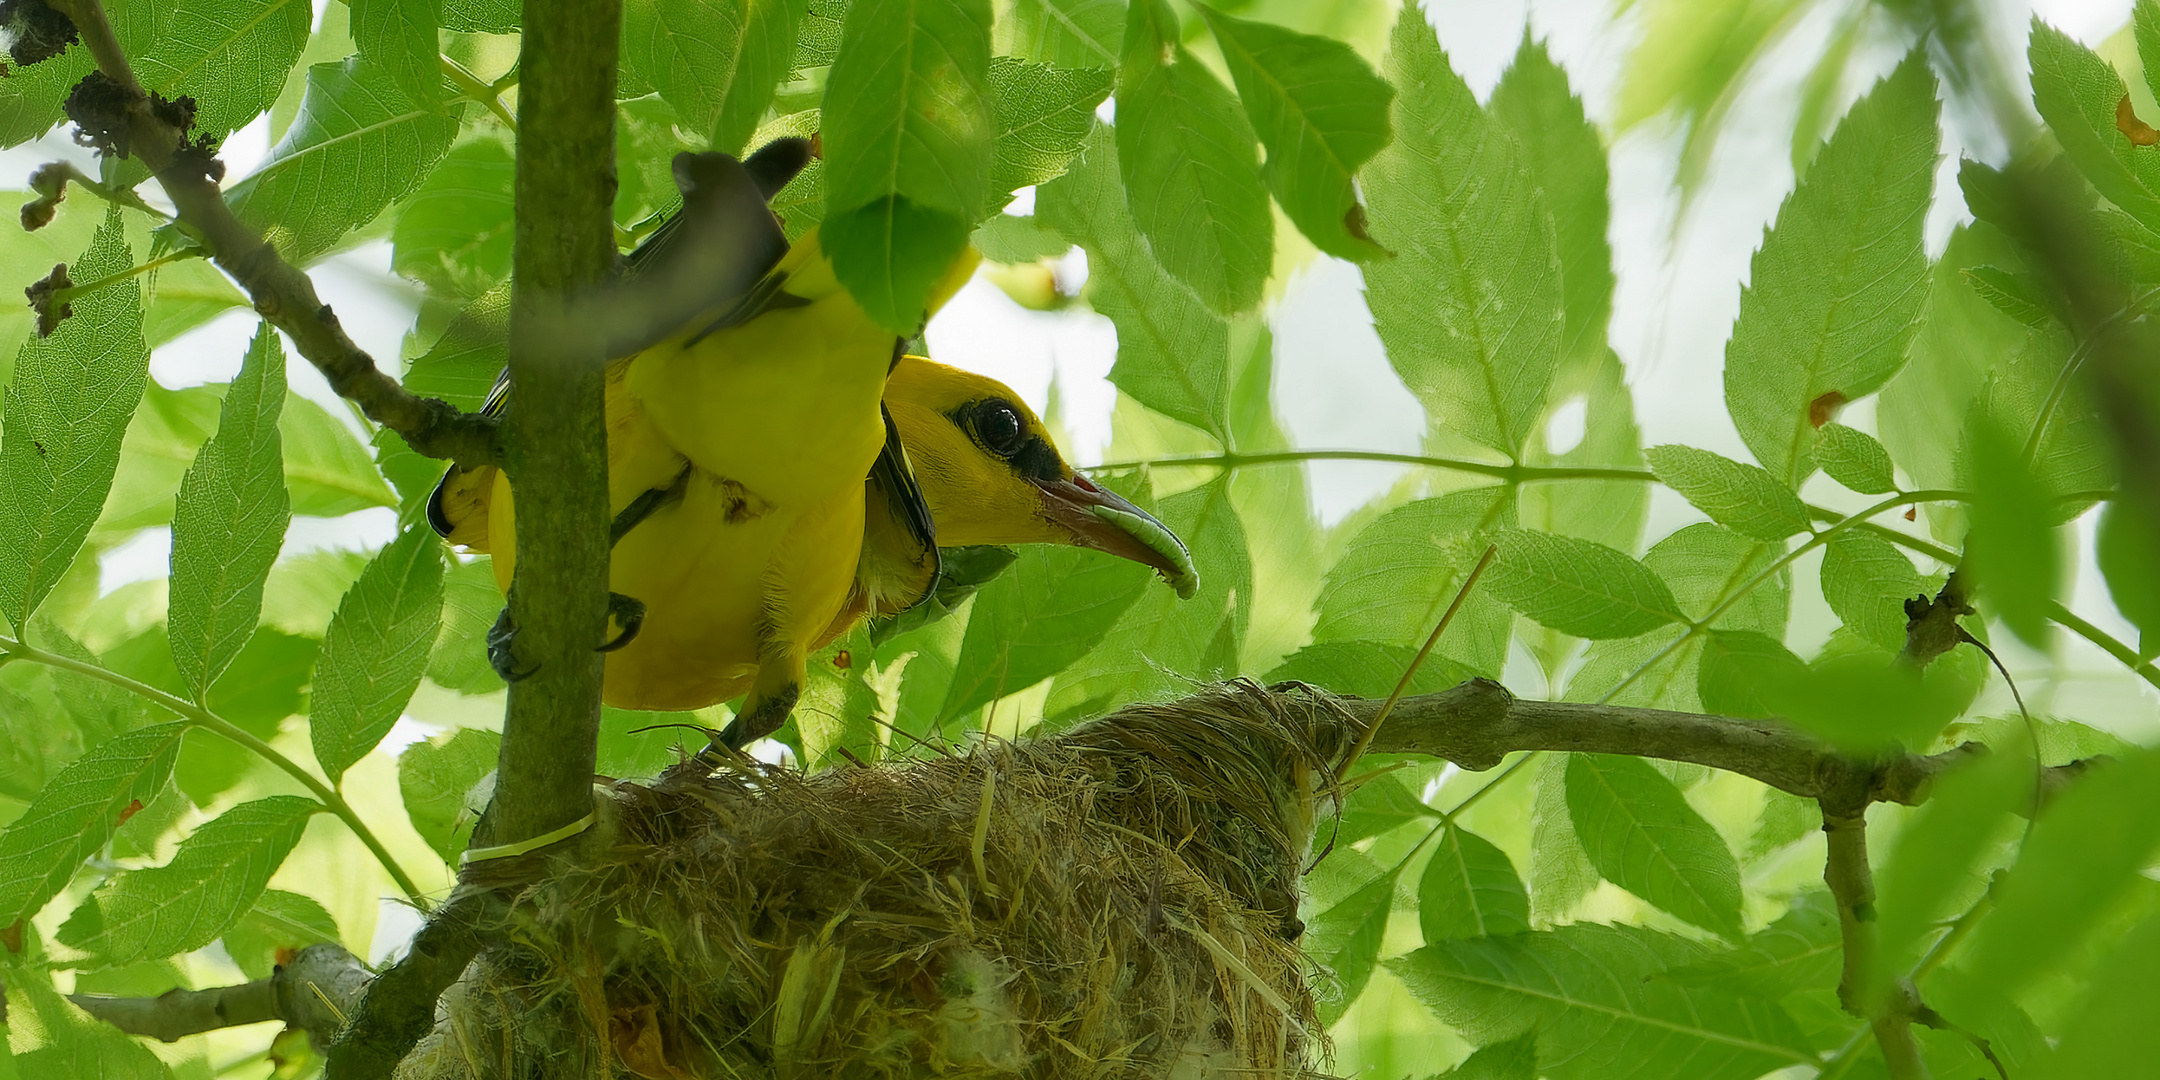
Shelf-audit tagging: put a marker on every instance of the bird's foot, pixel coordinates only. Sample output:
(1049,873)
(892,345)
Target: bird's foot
(627,612)
(759,719)
(501,642)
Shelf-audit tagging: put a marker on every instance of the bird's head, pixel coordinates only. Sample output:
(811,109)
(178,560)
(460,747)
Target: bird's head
(991,475)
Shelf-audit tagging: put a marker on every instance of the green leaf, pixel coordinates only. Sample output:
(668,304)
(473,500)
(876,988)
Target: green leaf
(375,650)
(1706,566)
(454,233)
(1642,835)
(2077,94)
(1560,874)
(2124,546)
(91,1050)
(67,410)
(74,815)
(437,780)
(1470,890)
(461,366)
(1379,805)
(1564,155)
(1052,607)
(1043,116)
(2108,1033)
(2085,853)
(482,16)
(1163,643)
(2013,551)
(2011,294)
(1853,458)
(1835,291)
(1067,33)
(715,61)
(1600,1013)
(398,36)
(1609,512)
(1015,240)
(471,603)
(212,880)
(1867,581)
(1471,308)
(1736,665)
(231,56)
(230,521)
(1802,951)
(1366,668)
(907,149)
(358,145)
(1321,114)
(1865,700)
(1740,497)
(1939,863)
(303,591)
(1185,151)
(1513,1059)
(279,921)
(1577,587)
(1431,543)
(1173,353)
(1345,939)
(326,468)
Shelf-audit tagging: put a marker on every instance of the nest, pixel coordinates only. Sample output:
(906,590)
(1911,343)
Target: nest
(1116,900)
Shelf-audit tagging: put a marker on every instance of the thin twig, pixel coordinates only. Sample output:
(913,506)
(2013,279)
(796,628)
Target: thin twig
(282,293)
(1365,738)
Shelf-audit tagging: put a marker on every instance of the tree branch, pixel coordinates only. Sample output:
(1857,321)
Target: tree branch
(398,1008)
(125,120)
(1887,1010)
(1478,723)
(314,993)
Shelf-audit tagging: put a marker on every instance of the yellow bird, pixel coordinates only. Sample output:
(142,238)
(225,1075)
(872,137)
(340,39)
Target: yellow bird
(763,500)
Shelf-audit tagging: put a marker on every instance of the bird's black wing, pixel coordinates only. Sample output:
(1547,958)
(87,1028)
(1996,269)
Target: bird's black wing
(899,564)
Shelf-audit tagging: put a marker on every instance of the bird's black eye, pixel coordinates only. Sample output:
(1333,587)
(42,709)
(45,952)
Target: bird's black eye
(998,425)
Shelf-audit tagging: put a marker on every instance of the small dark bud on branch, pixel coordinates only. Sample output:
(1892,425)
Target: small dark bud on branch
(46,298)
(36,32)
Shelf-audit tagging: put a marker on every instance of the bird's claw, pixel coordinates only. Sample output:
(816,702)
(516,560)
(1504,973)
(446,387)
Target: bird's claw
(629,612)
(501,639)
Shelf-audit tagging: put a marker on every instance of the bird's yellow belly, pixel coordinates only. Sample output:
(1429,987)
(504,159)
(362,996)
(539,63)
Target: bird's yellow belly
(785,405)
(729,587)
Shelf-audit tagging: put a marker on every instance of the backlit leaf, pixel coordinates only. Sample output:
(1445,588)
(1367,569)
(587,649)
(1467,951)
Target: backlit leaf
(1600,1013)
(358,145)
(1068,33)
(1801,951)
(231,56)
(1939,862)
(74,815)
(907,149)
(67,410)
(1185,151)
(279,920)
(1345,939)
(2013,552)
(715,61)
(1642,835)
(2077,93)
(1470,890)
(1577,587)
(1043,115)
(1321,114)
(375,649)
(2124,545)
(1399,573)
(1853,458)
(230,521)
(1835,290)
(437,782)
(1736,665)
(212,880)
(1049,609)
(398,36)
(1563,153)
(1173,353)
(454,231)
(1741,497)
(1471,306)
(1867,581)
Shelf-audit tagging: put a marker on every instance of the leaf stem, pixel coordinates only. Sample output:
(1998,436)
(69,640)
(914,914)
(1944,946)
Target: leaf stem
(1520,474)
(204,718)
(1697,626)
(477,89)
(73,292)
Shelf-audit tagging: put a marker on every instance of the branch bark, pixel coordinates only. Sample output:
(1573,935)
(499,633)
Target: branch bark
(1888,1009)
(283,294)
(313,993)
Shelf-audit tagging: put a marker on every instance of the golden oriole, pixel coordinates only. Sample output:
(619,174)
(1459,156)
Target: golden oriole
(759,461)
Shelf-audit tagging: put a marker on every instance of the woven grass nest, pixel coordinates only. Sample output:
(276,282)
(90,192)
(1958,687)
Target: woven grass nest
(1115,900)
